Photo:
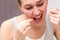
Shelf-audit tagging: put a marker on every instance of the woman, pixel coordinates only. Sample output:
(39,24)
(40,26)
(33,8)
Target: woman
(32,24)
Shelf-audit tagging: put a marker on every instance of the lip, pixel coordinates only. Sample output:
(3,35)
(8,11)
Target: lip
(38,20)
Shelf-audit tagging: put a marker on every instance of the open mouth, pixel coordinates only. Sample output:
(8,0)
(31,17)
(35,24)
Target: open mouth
(38,18)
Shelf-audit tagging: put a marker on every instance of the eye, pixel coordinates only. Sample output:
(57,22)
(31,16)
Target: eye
(28,8)
(40,4)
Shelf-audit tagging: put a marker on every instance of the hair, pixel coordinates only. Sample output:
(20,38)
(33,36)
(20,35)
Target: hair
(19,1)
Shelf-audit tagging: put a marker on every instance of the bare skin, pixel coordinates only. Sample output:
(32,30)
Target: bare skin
(54,16)
(32,21)
(18,36)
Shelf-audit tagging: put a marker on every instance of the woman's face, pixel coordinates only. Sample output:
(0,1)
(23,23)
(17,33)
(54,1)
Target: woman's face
(34,9)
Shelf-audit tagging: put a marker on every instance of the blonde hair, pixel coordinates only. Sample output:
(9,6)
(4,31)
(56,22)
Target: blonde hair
(19,1)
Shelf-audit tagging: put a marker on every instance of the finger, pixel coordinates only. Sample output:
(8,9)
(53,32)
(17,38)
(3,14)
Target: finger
(55,11)
(25,21)
(24,27)
(53,22)
(28,20)
(26,30)
(21,24)
(54,15)
(53,18)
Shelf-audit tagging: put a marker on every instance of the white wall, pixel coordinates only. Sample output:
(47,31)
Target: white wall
(53,4)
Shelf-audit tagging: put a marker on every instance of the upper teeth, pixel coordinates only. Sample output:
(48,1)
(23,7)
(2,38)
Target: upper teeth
(38,17)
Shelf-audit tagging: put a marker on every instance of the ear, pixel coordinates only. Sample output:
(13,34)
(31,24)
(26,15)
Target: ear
(20,6)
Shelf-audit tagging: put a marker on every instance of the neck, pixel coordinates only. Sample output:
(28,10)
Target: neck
(39,27)
(39,31)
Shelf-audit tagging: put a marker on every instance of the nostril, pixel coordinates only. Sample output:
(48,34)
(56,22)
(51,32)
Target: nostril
(37,13)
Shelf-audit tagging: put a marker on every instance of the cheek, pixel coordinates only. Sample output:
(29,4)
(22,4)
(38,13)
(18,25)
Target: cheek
(44,9)
(28,13)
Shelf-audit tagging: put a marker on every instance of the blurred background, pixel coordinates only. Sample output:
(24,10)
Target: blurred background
(9,8)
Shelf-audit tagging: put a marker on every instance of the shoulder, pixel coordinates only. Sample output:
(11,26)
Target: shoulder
(7,30)
(8,24)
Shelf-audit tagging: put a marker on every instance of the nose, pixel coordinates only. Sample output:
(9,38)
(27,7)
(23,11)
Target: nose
(36,11)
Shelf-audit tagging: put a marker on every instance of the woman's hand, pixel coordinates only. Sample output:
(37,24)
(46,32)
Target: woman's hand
(22,28)
(54,16)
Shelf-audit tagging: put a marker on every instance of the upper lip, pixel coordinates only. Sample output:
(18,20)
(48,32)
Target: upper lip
(36,17)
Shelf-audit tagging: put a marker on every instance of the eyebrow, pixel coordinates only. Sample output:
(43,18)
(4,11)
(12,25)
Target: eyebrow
(37,2)
(40,1)
(27,5)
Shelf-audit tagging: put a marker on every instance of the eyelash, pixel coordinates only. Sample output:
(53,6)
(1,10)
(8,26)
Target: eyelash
(29,8)
(40,4)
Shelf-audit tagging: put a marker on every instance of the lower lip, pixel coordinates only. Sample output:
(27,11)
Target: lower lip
(39,20)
